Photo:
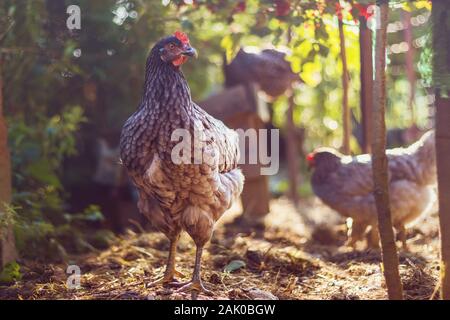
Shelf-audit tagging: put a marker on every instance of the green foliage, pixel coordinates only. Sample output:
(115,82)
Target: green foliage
(425,65)
(315,54)
(38,150)
(102,239)
(58,102)
(42,228)
(42,238)
(10,273)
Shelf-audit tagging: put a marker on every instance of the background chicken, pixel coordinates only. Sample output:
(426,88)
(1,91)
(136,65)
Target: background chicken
(187,196)
(345,184)
(261,68)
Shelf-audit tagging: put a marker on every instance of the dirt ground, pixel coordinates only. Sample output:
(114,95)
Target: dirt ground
(286,260)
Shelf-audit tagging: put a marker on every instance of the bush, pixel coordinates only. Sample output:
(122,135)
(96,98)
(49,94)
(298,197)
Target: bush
(43,228)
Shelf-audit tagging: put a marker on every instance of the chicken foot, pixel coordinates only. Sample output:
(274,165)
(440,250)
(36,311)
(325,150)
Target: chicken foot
(357,231)
(170,273)
(195,286)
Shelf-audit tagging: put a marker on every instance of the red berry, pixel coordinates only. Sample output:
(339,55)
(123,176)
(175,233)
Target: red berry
(240,7)
(282,8)
(339,10)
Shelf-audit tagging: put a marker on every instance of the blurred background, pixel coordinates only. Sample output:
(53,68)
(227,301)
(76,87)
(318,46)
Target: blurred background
(67,93)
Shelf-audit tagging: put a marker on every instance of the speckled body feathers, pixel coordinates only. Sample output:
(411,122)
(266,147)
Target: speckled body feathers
(345,183)
(172,196)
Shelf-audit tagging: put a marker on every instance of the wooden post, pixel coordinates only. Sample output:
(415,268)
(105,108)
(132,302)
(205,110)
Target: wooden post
(345,107)
(365,45)
(440,20)
(240,108)
(443,172)
(7,246)
(380,163)
(256,199)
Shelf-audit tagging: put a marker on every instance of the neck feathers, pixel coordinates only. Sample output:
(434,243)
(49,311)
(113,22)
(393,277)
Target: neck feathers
(165,85)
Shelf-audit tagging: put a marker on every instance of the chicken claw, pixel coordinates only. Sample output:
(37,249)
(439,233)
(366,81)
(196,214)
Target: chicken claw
(193,286)
(160,281)
(167,280)
(171,272)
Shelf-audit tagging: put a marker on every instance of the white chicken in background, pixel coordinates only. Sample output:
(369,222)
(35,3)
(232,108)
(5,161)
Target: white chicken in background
(345,184)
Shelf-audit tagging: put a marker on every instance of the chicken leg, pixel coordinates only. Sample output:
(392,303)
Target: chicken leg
(169,274)
(356,231)
(402,236)
(373,238)
(195,286)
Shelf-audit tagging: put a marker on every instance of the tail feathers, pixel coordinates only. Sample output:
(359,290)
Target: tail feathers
(418,161)
(425,145)
(236,181)
(199,222)
(231,185)
(425,155)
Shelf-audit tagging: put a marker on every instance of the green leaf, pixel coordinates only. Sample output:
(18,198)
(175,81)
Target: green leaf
(231,43)
(10,273)
(42,171)
(234,265)
(311,73)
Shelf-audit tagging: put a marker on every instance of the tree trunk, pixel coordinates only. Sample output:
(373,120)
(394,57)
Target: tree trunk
(292,152)
(291,145)
(7,247)
(345,107)
(410,71)
(380,163)
(440,17)
(365,45)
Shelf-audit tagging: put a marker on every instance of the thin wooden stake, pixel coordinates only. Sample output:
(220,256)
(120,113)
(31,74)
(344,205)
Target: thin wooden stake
(365,44)
(380,163)
(345,107)
(7,245)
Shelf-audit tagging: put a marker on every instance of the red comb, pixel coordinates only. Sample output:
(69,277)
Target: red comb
(182,37)
(310,157)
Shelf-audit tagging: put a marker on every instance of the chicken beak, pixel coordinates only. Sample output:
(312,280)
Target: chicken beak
(190,52)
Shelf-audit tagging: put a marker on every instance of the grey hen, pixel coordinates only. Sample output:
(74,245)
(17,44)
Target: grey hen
(345,184)
(179,195)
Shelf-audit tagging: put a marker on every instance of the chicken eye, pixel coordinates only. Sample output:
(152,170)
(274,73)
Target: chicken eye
(171,46)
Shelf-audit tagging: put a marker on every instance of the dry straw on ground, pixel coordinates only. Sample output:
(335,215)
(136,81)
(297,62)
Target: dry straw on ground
(287,260)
